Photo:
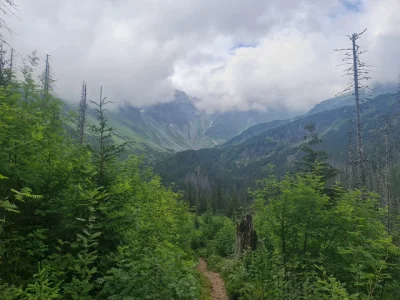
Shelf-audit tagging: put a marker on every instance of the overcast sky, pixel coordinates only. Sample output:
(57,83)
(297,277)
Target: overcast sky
(229,53)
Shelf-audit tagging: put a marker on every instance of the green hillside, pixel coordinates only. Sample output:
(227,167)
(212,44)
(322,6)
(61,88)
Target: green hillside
(241,161)
(178,125)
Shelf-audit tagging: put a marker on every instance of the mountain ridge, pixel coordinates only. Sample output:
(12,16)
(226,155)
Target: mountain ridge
(242,160)
(178,125)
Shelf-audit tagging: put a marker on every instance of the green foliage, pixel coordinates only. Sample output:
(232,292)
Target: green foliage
(315,246)
(163,272)
(157,229)
(9,292)
(107,151)
(103,228)
(100,228)
(312,156)
(215,236)
(42,288)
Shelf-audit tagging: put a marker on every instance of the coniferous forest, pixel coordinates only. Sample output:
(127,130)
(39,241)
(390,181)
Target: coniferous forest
(84,217)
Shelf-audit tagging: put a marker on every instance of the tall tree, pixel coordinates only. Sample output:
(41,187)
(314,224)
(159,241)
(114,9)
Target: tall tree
(47,80)
(46,76)
(11,67)
(359,72)
(107,150)
(1,64)
(82,114)
(312,156)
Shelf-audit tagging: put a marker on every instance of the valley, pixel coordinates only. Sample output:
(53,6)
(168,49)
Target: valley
(183,150)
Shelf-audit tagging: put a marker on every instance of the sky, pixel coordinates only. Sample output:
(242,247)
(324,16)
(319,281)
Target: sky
(230,54)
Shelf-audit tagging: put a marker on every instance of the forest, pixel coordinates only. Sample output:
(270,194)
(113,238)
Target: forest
(82,217)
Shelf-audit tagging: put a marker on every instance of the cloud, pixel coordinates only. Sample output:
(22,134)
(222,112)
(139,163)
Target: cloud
(230,54)
(284,70)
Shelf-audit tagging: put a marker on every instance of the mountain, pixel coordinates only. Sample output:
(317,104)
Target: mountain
(173,126)
(326,105)
(229,124)
(348,98)
(333,103)
(239,162)
(178,125)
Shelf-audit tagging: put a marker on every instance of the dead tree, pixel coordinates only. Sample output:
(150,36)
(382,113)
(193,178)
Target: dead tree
(11,67)
(359,72)
(2,66)
(7,8)
(82,114)
(386,172)
(1,59)
(382,166)
(246,236)
(46,77)
(350,161)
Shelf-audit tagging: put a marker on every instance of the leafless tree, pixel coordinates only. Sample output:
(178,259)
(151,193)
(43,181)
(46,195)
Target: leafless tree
(7,8)
(11,67)
(2,65)
(47,78)
(82,114)
(383,156)
(359,72)
(350,155)
(1,59)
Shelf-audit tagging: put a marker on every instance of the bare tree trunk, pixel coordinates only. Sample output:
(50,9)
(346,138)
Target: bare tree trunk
(1,60)
(350,163)
(102,131)
(46,76)
(197,184)
(360,146)
(82,114)
(11,66)
(386,178)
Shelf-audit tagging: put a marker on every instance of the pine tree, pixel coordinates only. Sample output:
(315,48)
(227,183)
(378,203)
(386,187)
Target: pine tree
(312,157)
(107,150)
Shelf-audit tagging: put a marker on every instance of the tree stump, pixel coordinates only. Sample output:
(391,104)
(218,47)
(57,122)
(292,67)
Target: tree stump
(246,236)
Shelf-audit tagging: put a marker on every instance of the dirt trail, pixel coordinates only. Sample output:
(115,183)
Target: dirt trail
(218,291)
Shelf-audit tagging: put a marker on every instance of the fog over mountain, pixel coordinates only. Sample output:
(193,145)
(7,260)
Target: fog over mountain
(263,55)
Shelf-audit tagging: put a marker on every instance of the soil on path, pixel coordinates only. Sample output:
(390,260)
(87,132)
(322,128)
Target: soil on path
(218,291)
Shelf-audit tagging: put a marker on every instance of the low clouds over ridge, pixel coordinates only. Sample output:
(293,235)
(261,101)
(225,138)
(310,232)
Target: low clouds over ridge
(230,54)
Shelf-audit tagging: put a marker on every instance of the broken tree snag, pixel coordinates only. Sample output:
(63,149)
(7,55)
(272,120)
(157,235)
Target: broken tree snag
(246,236)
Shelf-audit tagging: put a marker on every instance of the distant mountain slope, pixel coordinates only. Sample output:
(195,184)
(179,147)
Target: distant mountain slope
(326,105)
(348,99)
(229,124)
(253,131)
(333,103)
(178,125)
(243,159)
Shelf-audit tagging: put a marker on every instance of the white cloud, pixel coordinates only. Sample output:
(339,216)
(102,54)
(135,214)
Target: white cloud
(285,70)
(141,50)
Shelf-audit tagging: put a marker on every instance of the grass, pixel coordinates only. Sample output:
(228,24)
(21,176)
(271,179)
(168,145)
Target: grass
(205,288)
